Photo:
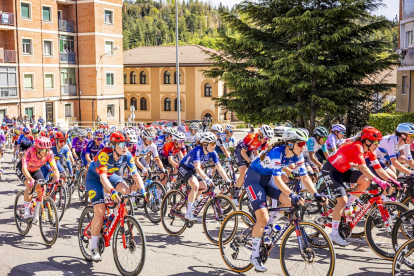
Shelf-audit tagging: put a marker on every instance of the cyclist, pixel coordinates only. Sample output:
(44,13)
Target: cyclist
(164,139)
(89,133)
(172,149)
(191,171)
(264,178)
(192,136)
(314,145)
(16,136)
(145,146)
(227,137)
(79,143)
(92,148)
(245,151)
(217,130)
(2,148)
(181,129)
(62,153)
(338,132)
(101,176)
(28,169)
(25,140)
(35,133)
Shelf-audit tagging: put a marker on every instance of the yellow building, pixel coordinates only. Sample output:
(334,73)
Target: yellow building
(150,84)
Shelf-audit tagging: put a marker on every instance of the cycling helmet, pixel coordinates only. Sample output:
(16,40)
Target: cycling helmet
(304,130)
(42,143)
(229,127)
(49,123)
(267,131)
(60,136)
(405,128)
(118,137)
(208,137)
(35,131)
(338,127)
(82,133)
(321,132)
(89,130)
(169,130)
(1,132)
(17,132)
(294,134)
(178,136)
(3,124)
(148,133)
(217,127)
(371,133)
(26,130)
(195,126)
(181,129)
(75,127)
(49,128)
(97,134)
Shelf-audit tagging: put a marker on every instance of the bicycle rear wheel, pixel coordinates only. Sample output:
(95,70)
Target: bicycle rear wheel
(403,264)
(49,221)
(60,199)
(403,229)
(153,207)
(129,260)
(85,240)
(22,224)
(81,187)
(172,224)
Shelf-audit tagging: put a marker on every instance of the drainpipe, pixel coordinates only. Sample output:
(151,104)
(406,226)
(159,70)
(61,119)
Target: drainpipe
(77,62)
(18,58)
(409,95)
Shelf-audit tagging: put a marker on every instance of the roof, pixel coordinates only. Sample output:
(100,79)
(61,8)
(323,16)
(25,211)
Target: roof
(387,76)
(165,56)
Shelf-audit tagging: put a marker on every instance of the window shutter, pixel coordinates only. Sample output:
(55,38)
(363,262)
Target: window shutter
(28,81)
(25,10)
(46,14)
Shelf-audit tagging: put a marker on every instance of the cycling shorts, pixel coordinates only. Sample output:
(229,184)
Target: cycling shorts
(46,169)
(165,162)
(96,190)
(240,159)
(258,187)
(186,173)
(37,175)
(24,147)
(308,162)
(335,179)
(83,159)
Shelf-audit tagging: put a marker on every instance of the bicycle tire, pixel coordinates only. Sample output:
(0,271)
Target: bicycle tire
(405,217)
(153,207)
(229,207)
(400,258)
(18,218)
(59,197)
(82,240)
(369,226)
(82,187)
(52,214)
(327,245)
(69,189)
(129,221)
(170,199)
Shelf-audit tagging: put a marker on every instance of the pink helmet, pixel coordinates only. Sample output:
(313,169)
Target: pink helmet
(42,143)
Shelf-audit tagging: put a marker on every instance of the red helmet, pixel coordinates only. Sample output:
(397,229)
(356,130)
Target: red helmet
(42,143)
(371,133)
(42,133)
(59,136)
(118,137)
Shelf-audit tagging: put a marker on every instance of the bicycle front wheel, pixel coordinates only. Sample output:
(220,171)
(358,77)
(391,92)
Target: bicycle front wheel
(403,264)
(129,247)
(49,221)
(153,206)
(318,252)
(81,187)
(403,229)
(22,224)
(60,199)
(173,225)
(84,237)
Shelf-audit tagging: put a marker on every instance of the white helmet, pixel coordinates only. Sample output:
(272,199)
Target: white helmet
(181,129)
(208,137)
(294,134)
(49,123)
(169,130)
(338,127)
(178,136)
(229,127)
(148,133)
(406,128)
(82,133)
(195,126)
(133,138)
(267,131)
(217,127)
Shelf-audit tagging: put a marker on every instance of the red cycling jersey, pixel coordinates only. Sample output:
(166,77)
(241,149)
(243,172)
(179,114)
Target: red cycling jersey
(350,155)
(169,149)
(5,128)
(251,142)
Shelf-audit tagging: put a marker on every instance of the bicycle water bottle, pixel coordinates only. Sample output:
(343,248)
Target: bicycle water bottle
(104,225)
(198,200)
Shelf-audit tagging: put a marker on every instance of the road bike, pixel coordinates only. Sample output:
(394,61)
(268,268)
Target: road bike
(403,264)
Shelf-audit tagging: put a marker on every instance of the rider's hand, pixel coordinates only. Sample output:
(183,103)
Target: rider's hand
(321,198)
(115,196)
(383,184)
(208,181)
(145,171)
(296,199)
(398,184)
(31,183)
(164,170)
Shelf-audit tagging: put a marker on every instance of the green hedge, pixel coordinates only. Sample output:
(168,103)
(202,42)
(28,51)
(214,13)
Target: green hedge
(387,122)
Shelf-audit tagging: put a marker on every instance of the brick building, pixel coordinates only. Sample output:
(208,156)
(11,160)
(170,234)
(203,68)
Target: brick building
(62,59)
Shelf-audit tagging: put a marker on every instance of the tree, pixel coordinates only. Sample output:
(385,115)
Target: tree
(300,60)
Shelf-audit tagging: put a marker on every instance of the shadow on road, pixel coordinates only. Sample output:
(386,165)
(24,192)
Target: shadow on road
(195,271)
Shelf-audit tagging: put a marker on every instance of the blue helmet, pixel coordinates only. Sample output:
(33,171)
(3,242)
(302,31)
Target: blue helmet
(26,130)
(405,128)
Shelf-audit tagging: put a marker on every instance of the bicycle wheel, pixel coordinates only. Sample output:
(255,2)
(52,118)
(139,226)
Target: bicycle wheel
(244,204)
(214,214)
(48,221)
(315,258)
(60,199)
(129,260)
(172,224)
(403,264)
(153,206)
(379,238)
(403,229)
(69,189)
(22,224)
(81,187)
(85,240)
(235,241)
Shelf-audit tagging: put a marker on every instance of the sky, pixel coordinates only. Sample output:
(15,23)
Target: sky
(390,11)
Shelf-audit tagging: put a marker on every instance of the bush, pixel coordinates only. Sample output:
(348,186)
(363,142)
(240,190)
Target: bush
(387,122)
(241,126)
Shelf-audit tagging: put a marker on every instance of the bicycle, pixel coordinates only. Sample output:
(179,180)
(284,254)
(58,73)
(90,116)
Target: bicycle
(156,193)
(403,264)
(43,210)
(297,253)
(58,193)
(217,207)
(403,229)
(126,233)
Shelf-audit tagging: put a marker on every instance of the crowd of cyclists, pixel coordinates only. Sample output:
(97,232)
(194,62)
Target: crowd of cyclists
(200,159)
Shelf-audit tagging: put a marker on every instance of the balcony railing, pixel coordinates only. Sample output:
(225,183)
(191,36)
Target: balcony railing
(67,57)
(8,92)
(68,90)
(66,26)
(7,18)
(7,56)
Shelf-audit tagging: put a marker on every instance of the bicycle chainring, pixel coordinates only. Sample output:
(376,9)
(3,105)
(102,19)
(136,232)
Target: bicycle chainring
(263,253)
(344,230)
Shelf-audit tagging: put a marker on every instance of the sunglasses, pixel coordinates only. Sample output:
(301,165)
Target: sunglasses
(324,138)
(342,132)
(376,142)
(82,137)
(149,139)
(181,141)
(122,144)
(212,143)
(301,144)
(231,131)
(43,150)
(411,136)
(98,139)
(61,141)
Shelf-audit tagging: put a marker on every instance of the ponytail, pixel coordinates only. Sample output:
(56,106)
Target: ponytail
(269,148)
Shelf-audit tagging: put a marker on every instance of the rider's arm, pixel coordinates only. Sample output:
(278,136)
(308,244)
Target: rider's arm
(172,161)
(105,182)
(199,170)
(314,159)
(139,164)
(25,170)
(87,157)
(366,171)
(243,153)
(400,167)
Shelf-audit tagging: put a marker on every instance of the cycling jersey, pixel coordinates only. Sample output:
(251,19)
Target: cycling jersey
(227,140)
(104,162)
(2,140)
(389,148)
(197,155)
(63,153)
(251,143)
(33,163)
(169,149)
(79,145)
(142,149)
(160,141)
(190,139)
(25,141)
(314,146)
(276,160)
(92,149)
(332,141)
(5,128)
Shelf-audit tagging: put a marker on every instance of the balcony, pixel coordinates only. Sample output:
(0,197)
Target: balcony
(7,19)
(7,56)
(68,58)
(68,90)
(66,26)
(8,92)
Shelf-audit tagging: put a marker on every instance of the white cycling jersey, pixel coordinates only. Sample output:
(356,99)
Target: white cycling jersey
(143,150)
(190,139)
(389,148)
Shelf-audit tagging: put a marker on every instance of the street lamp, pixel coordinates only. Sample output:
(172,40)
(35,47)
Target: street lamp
(177,74)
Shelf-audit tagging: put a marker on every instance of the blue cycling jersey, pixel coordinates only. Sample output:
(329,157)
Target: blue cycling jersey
(276,160)
(63,153)
(26,141)
(227,141)
(197,155)
(92,149)
(105,163)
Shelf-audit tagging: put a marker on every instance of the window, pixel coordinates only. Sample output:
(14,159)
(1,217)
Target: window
(108,17)
(167,77)
(29,111)
(125,104)
(28,81)
(110,111)
(134,102)
(110,79)
(125,78)
(175,105)
(175,78)
(26,10)
(49,81)
(167,104)
(225,91)
(409,39)
(142,78)
(27,46)
(208,90)
(143,103)
(109,45)
(67,44)
(404,86)
(68,110)
(47,47)
(47,15)
(8,77)
(408,8)
(68,76)
(133,78)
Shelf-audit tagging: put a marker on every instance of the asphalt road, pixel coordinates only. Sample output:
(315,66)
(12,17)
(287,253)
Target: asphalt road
(189,254)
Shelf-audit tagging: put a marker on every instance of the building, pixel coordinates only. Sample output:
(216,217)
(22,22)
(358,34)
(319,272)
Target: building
(150,84)
(61,59)
(387,76)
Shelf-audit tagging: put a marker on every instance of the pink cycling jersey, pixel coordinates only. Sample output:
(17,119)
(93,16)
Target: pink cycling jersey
(33,163)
